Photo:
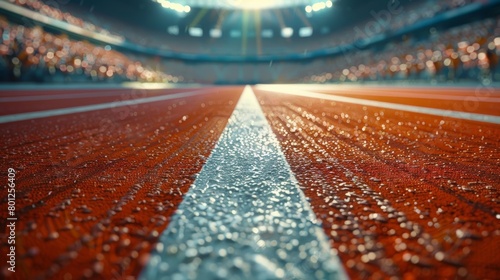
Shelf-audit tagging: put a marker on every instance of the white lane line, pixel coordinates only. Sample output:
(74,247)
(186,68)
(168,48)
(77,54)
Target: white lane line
(462,88)
(245,216)
(424,95)
(402,107)
(94,107)
(62,96)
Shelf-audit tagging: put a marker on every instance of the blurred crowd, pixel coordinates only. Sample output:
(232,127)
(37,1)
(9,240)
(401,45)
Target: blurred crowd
(426,9)
(466,53)
(30,54)
(384,21)
(54,11)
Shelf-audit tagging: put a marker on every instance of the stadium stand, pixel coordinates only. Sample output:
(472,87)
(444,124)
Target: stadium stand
(468,52)
(354,53)
(70,17)
(357,142)
(33,55)
(417,11)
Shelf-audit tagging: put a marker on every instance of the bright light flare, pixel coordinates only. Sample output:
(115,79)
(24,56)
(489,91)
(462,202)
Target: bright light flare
(215,33)
(174,6)
(254,4)
(287,32)
(318,6)
(245,4)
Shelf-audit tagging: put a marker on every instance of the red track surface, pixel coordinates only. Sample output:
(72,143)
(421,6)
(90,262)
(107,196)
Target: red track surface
(94,190)
(481,99)
(400,194)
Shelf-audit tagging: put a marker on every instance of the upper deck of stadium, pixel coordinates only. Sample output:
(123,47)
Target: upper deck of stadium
(155,139)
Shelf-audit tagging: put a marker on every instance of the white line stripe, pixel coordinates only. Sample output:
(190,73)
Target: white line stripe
(423,95)
(395,84)
(62,96)
(94,107)
(245,216)
(387,105)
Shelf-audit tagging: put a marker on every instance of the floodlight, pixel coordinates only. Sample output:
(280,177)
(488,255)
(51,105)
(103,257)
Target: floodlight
(173,30)
(215,33)
(318,6)
(305,31)
(251,5)
(267,33)
(287,32)
(195,31)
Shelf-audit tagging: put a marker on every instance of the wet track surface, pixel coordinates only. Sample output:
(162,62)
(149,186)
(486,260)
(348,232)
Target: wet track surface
(245,216)
(23,101)
(95,190)
(399,194)
(480,99)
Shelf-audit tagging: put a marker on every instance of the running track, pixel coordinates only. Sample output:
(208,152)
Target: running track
(403,182)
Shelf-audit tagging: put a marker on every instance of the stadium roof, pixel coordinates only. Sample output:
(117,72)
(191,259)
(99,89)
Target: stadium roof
(241,4)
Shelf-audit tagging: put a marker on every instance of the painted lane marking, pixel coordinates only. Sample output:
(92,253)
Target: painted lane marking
(387,105)
(94,107)
(245,216)
(416,95)
(124,85)
(493,89)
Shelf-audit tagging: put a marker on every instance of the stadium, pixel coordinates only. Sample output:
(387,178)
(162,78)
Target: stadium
(292,139)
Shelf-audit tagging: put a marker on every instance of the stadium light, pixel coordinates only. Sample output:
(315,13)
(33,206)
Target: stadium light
(174,6)
(267,33)
(235,34)
(256,4)
(215,33)
(195,31)
(173,30)
(318,6)
(242,4)
(305,31)
(287,32)
(251,5)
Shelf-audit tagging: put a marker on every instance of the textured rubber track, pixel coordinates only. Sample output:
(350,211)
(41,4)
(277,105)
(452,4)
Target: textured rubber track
(95,189)
(21,101)
(480,99)
(401,194)
(244,218)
